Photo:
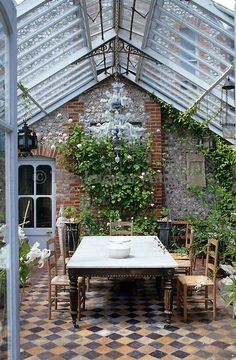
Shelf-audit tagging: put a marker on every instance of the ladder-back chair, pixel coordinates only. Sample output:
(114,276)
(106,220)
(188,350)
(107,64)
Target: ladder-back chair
(59,283)
(187,283)
(121,227)
(185,260)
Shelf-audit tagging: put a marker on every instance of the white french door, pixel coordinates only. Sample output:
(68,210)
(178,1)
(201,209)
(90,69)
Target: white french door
(36,199)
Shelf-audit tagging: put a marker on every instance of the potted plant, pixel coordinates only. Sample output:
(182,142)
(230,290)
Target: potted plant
(71,213)
(72,233)
(165,227)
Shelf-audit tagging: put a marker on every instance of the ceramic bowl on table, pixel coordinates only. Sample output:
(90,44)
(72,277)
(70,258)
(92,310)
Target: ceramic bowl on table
(120,240)
(118,250)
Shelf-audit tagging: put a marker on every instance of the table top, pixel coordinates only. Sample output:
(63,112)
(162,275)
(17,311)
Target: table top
(146,252)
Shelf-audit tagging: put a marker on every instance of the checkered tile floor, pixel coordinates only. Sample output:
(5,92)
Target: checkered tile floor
(121,321)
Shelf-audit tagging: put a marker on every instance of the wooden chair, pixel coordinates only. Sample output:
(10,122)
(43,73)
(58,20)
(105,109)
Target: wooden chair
(191,282)
(121,227)
(58,284)
(185,261)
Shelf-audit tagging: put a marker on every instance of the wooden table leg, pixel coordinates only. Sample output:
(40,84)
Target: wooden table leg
(168,295)
(73,276)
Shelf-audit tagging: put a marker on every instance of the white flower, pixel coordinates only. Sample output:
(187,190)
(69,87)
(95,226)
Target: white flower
(21,234)
(93,186)
(129,157)
(53,147)
(143,174)
(152,204)
(79,146)
(3,229)
(70,120)
(45,253)
(158,170)
(34,253)
(4,252)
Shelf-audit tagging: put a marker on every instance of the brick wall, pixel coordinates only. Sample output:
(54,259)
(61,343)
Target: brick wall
(155,129)
(68,187)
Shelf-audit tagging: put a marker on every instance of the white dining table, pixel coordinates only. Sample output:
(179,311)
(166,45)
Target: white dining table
(148,258)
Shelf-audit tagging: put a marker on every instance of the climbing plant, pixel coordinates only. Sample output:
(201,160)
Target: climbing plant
(219,195)
(112,190)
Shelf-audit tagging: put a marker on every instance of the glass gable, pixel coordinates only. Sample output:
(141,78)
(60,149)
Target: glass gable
(180,50)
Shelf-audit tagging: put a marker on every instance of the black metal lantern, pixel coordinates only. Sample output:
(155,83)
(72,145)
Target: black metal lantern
(27,140)
(228,123)
(207,142)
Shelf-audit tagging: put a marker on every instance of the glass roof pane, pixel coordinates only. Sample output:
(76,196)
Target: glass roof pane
(189,41)
(100,17)
(53,33)
(167,81)
(56,86)
(134,17)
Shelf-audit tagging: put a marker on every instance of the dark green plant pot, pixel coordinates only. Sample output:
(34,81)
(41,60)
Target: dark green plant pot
(164,233)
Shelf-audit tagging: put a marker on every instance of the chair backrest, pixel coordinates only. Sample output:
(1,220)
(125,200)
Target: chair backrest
(121,227)
(189,237)
(52,259)
(189,244)
(212,258)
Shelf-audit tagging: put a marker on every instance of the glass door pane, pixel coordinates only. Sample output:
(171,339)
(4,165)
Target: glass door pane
(44,180)
(26,212)
(26,180)
(43,212)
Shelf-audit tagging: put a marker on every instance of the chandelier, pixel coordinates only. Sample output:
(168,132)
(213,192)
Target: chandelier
(116,121)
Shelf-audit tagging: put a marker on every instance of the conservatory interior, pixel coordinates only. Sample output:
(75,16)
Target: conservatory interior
(118,199)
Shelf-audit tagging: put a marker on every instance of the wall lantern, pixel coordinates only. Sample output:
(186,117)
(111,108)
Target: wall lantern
(228,123)
(207,142)
(27,140)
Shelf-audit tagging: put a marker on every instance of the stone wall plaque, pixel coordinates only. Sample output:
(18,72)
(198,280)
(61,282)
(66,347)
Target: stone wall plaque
(196,169)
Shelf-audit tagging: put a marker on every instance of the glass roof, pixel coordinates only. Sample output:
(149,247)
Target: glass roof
(181,51)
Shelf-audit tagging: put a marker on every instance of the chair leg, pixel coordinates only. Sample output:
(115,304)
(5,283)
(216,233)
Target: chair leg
(49,303)
(79,301)
(178,294)
(185,303)
(83,292)
(56,295)
(88,283)
(206,297)
(214,302)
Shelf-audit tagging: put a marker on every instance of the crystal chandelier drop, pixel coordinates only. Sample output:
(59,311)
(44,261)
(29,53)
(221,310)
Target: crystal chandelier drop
(116,121)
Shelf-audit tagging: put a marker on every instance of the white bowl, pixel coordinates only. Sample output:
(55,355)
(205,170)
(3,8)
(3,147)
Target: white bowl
(118,251)
(120,240)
